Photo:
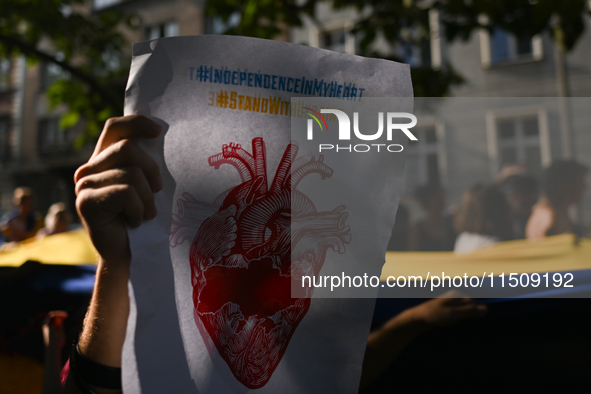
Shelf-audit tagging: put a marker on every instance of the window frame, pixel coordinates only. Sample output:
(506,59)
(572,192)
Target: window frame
(435,33)
(350,43)
(6,68)
(60,142)
(440,148)
(492,133)
(537,53)
(162,27)
(5,139)
(102,4)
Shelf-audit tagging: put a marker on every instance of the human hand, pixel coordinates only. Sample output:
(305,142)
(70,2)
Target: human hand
(386,343)
(446,311)
(116,186)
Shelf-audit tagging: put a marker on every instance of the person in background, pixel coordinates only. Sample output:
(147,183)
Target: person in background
(2,238)
(484,218)
(435,232)
(400,232)
(510,170)
(563,185)
(522,192)
(54,339)
(22,222)
(57,220)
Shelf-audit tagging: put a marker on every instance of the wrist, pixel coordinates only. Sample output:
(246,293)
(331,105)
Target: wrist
(106,321)
(90,375)
(113,269)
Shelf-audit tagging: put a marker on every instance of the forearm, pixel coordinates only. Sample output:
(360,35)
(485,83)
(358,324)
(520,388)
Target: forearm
(115,189)
(104,327)
(105,323)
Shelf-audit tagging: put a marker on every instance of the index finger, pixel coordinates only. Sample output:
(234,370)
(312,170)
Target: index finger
(126,127)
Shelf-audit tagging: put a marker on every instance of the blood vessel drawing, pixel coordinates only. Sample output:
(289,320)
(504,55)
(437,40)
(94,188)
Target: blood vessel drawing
(246,256)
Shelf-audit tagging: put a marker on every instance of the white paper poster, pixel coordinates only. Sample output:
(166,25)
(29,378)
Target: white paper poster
(211,302)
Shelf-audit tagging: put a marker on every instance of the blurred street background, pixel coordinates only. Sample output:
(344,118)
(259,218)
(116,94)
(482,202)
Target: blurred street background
(503,94)
(63,69)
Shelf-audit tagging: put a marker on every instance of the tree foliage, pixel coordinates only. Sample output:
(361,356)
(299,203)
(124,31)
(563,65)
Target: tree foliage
(87,47)
(563,19)
(407,22)
(398,21)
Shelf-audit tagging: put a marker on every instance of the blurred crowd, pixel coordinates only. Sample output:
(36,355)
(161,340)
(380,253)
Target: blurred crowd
(516,205)
(23,223)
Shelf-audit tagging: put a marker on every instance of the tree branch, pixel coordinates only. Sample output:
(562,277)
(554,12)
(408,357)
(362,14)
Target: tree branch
(91,82)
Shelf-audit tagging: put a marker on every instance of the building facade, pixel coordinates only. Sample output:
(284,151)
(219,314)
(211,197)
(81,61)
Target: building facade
(34,150)
(470,144)
(506,112)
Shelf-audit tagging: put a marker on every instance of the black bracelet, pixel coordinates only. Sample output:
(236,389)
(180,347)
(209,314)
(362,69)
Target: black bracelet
(90,373)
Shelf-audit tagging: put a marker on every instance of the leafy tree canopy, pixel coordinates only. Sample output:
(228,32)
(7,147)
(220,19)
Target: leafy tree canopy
(564,18)
(86,47)
(398,21)
(89,46)
(407,21)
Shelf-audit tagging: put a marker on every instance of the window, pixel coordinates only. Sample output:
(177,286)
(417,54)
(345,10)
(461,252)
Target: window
(518,141)
(4,140)
(334,40)
(168,29)
(417,55)
(501,47)
(338,40)
(417,46)
(51,72)
(98,4)
(216,25)
(422,159)
(51,139)
(4,74)
(518,136)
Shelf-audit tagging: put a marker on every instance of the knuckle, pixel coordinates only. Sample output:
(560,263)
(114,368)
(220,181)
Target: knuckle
(80,172)
(114,176)
(126,189)
(80,185)
(149,198)
(137,117)
(125,146)
(130,194)
(109,123)
(154,166)
(84,202)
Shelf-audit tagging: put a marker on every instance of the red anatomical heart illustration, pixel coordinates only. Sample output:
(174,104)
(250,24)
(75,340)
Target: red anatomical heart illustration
(241,259)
